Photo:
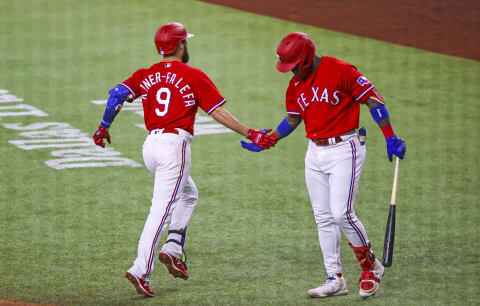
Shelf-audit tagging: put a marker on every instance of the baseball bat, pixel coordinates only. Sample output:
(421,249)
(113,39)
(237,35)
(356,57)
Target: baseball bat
(390,231)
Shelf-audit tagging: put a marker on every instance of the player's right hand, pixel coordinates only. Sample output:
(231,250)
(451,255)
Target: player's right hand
(251,146)
(99,135)
(395,146)
(261,138)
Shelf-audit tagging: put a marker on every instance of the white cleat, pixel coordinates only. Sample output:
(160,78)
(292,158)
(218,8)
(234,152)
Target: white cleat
(333,286)
(370,280)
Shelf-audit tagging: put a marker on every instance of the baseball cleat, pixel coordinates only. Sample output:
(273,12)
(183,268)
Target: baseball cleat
(174,265)
(333,286)
(370,280)
(143,287)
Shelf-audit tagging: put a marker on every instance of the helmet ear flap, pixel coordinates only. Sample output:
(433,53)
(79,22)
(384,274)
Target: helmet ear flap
(307,57)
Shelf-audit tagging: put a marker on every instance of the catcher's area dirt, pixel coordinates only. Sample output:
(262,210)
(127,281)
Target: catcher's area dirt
(445,26)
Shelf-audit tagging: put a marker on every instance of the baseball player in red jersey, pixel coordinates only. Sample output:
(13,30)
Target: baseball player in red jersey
(171,92)
(326,93)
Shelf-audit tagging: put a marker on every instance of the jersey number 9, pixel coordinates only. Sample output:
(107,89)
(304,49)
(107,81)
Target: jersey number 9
(165,101)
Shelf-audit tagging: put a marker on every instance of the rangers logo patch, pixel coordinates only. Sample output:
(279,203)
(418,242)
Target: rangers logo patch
(362,81)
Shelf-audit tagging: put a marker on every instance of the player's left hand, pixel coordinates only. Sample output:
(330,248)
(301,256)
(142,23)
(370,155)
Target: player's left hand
(261,138)
(99,135)
(395,146)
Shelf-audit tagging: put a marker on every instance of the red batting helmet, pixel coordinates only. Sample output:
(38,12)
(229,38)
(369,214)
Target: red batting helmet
(295,48)
(168,36)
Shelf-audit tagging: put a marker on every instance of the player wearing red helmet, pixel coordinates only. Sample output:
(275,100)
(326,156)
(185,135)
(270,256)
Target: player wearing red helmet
(326,93)
(171,93)
(297,49)
(169,36)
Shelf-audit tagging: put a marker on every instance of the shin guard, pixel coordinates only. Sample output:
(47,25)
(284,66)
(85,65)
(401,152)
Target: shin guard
(365,256)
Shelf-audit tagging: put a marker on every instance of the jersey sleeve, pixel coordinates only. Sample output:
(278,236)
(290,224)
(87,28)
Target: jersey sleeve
(290,102)
(358,86)
(209,98)
(133,83)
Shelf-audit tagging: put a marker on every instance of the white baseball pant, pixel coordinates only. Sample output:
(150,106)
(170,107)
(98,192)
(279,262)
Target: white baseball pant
(175,195)
(332,174)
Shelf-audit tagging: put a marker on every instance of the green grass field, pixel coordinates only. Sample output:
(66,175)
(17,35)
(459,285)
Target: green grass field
(68,236)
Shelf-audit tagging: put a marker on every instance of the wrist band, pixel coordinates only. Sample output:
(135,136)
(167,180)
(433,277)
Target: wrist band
(284,128)
(379,113)
(387,131)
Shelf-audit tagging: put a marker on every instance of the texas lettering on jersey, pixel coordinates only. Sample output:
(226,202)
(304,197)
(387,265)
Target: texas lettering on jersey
(329,100)
(325,97)
(171,94)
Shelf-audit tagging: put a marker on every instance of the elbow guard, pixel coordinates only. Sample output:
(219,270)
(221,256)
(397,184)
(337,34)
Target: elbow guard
(118,95)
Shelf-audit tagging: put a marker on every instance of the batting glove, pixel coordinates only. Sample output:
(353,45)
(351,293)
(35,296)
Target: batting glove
(99,135)
(395,146)
(250,146)
(261,138)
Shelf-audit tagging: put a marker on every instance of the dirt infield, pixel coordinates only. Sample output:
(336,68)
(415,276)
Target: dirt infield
(445,26)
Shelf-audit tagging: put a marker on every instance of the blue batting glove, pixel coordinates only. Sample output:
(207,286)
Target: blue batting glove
(251,146)
(395,146)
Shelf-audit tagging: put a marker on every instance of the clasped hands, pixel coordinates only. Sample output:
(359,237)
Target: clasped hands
(261,140)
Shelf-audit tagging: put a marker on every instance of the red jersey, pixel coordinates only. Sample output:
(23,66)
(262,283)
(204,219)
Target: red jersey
(329,100)
(171,94)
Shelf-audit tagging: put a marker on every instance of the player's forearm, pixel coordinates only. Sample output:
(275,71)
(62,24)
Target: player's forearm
(226,118)
(108,117)
(381,116)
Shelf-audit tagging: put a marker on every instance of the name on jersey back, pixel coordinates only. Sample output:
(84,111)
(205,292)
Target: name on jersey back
(170,78)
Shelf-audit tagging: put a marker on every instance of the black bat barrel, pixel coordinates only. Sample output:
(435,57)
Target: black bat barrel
(389,238)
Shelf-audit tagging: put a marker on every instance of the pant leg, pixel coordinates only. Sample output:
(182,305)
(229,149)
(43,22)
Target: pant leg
(344,179)
(328,232)
(180,218)
(168,155)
